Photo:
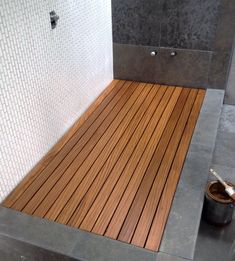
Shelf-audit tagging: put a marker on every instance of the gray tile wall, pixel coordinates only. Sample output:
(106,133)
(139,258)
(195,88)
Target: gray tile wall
(136,22)
(230,91)
(189,24)
(169,23)
(223,45)
(200,31)
(188,68)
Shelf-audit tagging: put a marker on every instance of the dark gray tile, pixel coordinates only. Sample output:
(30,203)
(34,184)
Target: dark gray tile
(206,130)
(227,119)
(188,68)
(219,69)
(166,257)
(225,31)
(189,24)
(14,250)
(36,234)
(213,102)
(227,5)
(136,22)
(42,232)
(103,249)
(196,169)
(230,90)
(225,149)
(135,63)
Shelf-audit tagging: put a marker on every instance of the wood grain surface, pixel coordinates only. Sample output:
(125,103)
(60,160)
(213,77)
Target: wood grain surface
(116,170)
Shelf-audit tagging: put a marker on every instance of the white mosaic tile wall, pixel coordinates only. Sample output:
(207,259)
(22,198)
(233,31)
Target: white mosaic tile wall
(47,77)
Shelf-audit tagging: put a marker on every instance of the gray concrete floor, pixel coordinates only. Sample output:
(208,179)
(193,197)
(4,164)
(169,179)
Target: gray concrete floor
(218,243)
(230,90)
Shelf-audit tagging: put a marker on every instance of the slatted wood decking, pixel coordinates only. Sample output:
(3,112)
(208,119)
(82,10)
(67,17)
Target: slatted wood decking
(116,173)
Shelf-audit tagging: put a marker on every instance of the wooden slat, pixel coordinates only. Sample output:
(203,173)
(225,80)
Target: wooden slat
(119,166)
(95,211)
(122,147)
(118,112)
(161,143)
(82,188)
(157,228)
(69,182)
(117,102)
(141,232)
(67,140)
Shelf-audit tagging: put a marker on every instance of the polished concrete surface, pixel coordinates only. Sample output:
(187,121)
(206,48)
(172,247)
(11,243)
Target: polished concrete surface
(218,243)
(230,91)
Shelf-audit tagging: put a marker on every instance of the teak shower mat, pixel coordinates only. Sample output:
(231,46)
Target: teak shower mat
(116,170)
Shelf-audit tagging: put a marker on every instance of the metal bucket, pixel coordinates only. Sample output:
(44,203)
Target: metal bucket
(218,206)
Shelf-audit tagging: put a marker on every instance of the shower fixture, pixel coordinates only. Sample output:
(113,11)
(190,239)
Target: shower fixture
(54,19)
(153,53)
(173,53)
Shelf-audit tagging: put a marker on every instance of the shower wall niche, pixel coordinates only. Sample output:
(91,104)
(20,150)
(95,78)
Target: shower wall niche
(201,32)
